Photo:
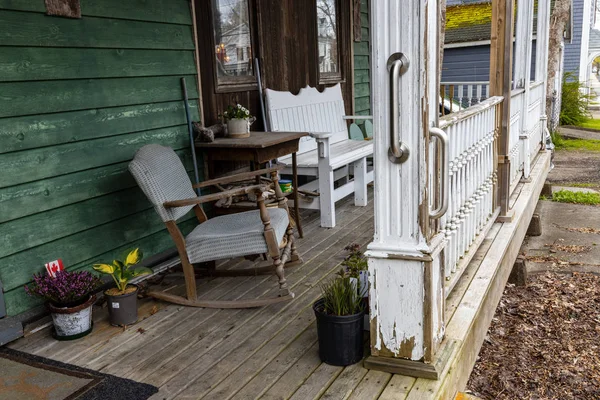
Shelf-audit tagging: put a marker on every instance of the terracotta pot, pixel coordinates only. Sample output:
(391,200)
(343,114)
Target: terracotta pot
(122,308)
(72,322)
(239,127)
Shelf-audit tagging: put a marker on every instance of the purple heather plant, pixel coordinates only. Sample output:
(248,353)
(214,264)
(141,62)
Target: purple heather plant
(66,287)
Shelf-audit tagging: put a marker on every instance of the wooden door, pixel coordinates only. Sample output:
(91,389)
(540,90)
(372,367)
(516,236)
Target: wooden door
(284,36)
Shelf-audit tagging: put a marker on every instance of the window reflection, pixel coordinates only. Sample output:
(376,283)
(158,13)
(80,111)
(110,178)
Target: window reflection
(327,36)
(233,45)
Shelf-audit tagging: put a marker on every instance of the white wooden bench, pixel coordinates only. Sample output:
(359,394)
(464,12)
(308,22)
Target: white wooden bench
(327,154)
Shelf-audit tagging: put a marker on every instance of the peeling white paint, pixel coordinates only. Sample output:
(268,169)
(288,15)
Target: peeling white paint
(396,301)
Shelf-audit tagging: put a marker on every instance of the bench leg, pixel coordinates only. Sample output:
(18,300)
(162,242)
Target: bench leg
(326,201)
(360,182)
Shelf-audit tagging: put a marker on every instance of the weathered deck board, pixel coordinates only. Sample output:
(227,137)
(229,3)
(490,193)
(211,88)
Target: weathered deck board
(265,353)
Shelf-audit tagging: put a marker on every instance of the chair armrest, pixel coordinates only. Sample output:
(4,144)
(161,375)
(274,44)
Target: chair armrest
(320,135)
(244,176)
(354,117)
(215,196)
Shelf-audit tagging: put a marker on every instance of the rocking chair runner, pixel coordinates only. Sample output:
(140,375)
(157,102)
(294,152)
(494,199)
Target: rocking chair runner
(161,175)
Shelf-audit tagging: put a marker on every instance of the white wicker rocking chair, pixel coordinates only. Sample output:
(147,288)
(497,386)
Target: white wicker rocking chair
(161,175)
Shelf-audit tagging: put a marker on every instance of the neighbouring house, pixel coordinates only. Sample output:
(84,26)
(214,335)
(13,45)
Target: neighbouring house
(80,96)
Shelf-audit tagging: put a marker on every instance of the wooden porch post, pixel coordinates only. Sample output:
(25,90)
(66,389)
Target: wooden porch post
(522,76)
(500,85)
(541,65)
(406,281)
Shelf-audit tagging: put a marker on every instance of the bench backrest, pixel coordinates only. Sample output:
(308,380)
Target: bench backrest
(308,111)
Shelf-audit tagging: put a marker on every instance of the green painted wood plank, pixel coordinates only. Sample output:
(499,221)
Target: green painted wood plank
(365,112)
(37,229)
(362,104)
(34,29)
(45,63)
(21,133)
(364,32)
(16,269)
(27,166)
(35,197)
(361,48)
(18,301)
(29,98)
(361,62)
(169,11)
(360,76)
(362,90)
(364,19)
(364,6)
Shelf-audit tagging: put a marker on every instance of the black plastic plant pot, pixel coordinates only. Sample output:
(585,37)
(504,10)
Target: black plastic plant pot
(340,337)
(122,308)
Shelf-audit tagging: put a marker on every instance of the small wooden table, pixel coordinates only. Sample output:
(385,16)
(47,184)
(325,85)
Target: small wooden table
(259,148)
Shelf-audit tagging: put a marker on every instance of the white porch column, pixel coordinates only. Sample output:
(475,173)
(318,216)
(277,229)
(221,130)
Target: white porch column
(522,76)
(541,65)
(406,291)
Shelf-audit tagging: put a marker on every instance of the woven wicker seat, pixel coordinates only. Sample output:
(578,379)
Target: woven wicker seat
(163,178)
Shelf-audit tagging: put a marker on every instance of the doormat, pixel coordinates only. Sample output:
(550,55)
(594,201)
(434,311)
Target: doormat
(28,377)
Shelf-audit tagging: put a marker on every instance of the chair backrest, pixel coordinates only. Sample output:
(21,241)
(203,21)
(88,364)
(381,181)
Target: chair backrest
(356,133)
(369,129)
(162,177)
(308,111)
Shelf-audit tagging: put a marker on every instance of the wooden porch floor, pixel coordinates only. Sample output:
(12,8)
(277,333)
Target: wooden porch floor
(271,352)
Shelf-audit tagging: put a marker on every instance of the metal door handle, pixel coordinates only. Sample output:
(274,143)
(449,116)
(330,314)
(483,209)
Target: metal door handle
(444,150)
(397,65)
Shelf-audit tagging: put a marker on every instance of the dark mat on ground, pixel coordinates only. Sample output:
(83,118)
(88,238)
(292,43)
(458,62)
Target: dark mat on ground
(29,377)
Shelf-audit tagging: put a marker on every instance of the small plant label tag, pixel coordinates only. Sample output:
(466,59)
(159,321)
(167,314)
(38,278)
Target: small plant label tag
(54,266)
(115,305)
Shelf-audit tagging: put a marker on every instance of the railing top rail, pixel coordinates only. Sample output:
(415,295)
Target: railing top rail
(465,83)
(475,109)
(535,84)
(516,92)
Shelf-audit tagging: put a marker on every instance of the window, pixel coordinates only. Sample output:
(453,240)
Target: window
(233,42)
(328,41)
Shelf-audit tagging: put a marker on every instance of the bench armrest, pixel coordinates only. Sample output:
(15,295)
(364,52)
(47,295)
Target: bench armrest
(355,117)
(320,135)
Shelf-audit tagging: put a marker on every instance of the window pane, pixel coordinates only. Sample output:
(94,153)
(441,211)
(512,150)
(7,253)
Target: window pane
(328,36)
(233,46)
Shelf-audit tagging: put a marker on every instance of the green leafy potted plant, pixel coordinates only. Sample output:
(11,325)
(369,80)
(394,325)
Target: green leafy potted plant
(340,314)
(238,121)
(122,299)
(69,297)
(356,265)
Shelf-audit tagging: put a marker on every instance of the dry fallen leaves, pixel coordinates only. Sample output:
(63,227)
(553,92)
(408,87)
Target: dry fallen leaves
(543,341)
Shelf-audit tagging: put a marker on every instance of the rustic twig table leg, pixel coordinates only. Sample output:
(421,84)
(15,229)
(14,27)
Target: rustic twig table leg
(295,184)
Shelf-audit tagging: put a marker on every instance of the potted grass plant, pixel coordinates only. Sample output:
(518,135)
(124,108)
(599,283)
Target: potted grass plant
(69,297)
(122,299)
(340,313)
(238,121)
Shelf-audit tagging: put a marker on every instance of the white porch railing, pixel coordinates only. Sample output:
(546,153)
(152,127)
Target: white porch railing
(465,94)
(515,147)
(472,134)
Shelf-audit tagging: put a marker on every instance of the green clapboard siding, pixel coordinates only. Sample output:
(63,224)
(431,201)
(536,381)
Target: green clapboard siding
(78,98)
(362,65)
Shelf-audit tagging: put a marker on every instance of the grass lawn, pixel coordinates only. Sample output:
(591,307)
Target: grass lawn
(567,196)
(575,144)
(591,124)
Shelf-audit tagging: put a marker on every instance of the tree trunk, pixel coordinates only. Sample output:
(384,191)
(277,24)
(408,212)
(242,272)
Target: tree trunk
(558,20)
